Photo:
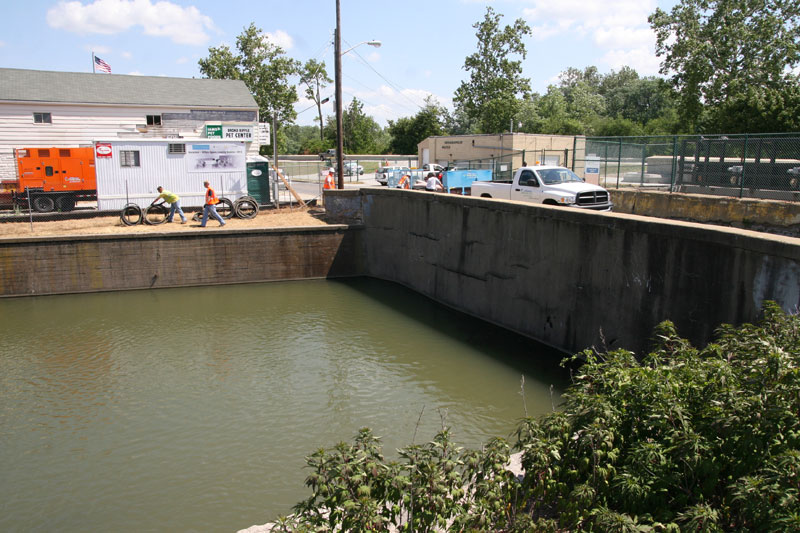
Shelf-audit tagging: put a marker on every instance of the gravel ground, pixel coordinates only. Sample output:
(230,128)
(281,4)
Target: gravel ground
(268,218)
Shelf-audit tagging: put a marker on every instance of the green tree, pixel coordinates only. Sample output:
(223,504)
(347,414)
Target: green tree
(406,133)
(360,133)
(314,76)
(723,51)
(263,67)
(495,80)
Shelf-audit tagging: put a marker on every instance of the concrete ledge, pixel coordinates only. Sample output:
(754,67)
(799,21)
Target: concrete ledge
(737,212)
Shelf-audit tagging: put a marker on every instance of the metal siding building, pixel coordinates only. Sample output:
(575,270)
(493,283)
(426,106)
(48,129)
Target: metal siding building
(82,107)
(118,184)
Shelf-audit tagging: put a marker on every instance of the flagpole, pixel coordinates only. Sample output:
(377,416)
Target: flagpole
(93,71)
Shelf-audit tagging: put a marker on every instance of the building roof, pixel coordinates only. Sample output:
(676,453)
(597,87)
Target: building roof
(88,88)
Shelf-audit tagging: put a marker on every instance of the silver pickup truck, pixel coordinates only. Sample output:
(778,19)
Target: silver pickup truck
(546,184)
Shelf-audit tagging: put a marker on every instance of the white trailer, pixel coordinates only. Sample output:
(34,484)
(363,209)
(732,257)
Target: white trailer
(130,170)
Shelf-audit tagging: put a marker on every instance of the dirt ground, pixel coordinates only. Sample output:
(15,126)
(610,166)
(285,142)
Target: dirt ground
(267,218)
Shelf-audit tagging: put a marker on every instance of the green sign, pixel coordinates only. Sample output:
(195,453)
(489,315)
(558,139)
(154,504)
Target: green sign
(214,131)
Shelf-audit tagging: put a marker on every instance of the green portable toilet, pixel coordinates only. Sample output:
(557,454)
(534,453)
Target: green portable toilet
(258,181)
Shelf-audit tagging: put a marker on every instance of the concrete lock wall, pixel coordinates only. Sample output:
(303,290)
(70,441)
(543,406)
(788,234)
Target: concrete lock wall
(59,265)
(569,278)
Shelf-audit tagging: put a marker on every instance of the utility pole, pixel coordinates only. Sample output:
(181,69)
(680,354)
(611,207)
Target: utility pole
(338,68)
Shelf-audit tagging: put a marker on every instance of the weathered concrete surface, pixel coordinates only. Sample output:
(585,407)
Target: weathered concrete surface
(737,212)
(575,279)
(37,266)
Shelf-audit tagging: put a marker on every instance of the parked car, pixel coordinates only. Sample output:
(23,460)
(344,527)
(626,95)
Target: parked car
(329,154)
(353,168)
(432,169)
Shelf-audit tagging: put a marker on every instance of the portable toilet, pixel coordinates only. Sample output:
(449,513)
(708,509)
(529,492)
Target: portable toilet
(258,180)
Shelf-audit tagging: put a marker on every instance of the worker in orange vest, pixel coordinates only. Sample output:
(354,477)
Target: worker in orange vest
(210,206)
(405,182)
(329,181)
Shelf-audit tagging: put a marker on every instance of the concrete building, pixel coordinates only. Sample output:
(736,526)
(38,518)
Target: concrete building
(501,152)
(72,109)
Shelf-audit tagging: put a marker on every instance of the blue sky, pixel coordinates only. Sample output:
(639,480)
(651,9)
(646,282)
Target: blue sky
(424,43)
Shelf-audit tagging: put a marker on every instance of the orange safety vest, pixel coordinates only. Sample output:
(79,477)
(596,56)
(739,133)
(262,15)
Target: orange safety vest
(329,182)
(211,197)
(403,182)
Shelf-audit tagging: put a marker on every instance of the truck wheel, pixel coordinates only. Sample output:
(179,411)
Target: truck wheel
(550,202)
(65,203)
(43,204)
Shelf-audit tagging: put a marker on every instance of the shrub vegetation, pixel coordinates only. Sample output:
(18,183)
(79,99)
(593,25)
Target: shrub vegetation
(682,439)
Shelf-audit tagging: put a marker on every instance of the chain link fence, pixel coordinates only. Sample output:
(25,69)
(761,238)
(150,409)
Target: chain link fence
(763,166)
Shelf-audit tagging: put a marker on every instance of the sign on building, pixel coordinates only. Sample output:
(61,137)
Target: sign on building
(234,133)
(103,149)
(215,157)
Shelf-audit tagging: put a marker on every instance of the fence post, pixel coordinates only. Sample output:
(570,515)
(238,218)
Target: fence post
(674,163)
(605,165)
(30,207)
(619,160)
(575,147)
(744,165)
(644,157)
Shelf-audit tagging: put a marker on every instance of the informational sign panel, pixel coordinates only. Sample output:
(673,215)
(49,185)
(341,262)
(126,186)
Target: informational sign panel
(591,172)
(234,133)
(103,150)
(215,157)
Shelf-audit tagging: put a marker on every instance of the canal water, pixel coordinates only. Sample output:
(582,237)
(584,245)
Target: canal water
(192,409)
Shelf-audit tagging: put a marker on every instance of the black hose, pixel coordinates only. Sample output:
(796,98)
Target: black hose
(131,215)
(155,214)
(246,207)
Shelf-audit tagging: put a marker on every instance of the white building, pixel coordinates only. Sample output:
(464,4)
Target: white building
(72,109)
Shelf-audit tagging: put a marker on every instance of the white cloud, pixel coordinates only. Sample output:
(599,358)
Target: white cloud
(374,57)
(127,55)
(182,60)
(280,38)
(2,44)
(98,49)
(619,27)
(183,25)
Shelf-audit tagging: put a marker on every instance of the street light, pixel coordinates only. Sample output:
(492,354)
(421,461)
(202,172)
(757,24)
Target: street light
(338,80)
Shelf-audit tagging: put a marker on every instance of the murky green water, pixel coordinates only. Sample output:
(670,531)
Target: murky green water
(192,409)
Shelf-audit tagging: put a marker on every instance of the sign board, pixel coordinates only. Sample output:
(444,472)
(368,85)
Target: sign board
(234,133)
(591,171)
(215,157)
(263,133)
(237,133)
(103,150)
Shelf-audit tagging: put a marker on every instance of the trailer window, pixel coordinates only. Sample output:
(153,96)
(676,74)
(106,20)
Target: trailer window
(153,120)
(42,118)
(129,158)
(48,171)
(43,152)
(64,152)
(176,148)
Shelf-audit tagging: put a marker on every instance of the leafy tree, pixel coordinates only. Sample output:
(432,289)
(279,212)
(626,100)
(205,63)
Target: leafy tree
(315,78)
(406,133)
(719,51)
(304,140)
(491,94)
(262,66)
(360,133)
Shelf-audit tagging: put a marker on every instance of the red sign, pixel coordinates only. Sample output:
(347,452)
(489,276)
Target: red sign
(103,150)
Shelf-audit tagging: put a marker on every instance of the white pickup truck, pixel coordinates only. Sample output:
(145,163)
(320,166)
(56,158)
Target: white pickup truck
(546,185)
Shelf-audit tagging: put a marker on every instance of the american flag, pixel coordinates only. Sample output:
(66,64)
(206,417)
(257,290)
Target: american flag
(101,65)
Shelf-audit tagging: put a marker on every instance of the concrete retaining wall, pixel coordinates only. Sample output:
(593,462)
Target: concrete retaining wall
(571,278)
(744,213)
(48,265)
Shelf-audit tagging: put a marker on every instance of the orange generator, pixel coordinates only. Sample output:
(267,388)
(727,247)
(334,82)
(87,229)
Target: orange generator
(54,179)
